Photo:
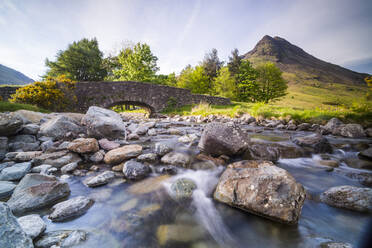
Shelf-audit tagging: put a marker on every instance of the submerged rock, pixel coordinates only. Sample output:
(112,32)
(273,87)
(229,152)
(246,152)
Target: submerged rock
(35,191)
(11,233)
(61,238)
(335,245)
(82,145)
(349,197)
(272,151)
(315,143)
(73,207)
(103,123)
(118,155)
(167,234)
(32,225)
(223,139)
(182,189)
(134,170)
(261,188)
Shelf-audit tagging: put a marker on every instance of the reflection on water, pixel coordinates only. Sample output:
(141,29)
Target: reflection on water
(142,214)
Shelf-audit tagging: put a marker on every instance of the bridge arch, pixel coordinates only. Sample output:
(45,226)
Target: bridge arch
(149,108)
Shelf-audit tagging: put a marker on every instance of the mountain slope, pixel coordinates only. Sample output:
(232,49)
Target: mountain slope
(299,66)
(11,76)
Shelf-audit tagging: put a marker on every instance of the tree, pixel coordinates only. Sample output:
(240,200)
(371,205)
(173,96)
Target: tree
(224,84)
(194,79)
(211,65)
(81,61)
(270,82)
(234,63)
(247,86)
(136,64)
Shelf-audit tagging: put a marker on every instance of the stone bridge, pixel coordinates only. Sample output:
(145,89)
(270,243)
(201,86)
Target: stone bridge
(153,97)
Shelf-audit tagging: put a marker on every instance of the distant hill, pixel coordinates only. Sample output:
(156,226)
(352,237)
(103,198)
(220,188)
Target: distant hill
(299,66)
(11,76)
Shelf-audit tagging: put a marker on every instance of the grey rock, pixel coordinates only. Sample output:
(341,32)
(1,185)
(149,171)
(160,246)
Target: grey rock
(261,188)
(163,148)
(272,151)
(223,139)
(134,170)
(182,189)
(358,163)
(108,145)
(333,124)
(366,154)
(15,172)
(30,129)
(3,147)
(148,157)
(71,208)
(133,136)
(42,169)
(9,125)
(103,123)
(32,225)
(61,238)
(368,132)
(315,143)
(303,127)
(11,233)
(23,156)
(352,131)
(188,138)
(23,142)
(349,197)
(59,126)
(100,179)
(152,132)
(335,245)
(68,168)
(35,191)
(6,164)
(176,158)
(57,159)
(6,188)
(46,145)
(97,156)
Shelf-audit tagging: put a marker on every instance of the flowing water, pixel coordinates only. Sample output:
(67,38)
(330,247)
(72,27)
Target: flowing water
(142,214)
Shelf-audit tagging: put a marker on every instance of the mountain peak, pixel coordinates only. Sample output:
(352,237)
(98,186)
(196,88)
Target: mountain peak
(292,59)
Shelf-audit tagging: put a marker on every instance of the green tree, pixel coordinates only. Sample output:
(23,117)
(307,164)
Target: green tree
(247,86)
(224,84)
(234,63)
(368,81)
(194,79)
(270,82)
(137,64)
(211,64)
(81,61)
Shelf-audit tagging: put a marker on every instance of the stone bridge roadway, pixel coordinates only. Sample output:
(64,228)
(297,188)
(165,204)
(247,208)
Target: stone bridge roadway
(154,97)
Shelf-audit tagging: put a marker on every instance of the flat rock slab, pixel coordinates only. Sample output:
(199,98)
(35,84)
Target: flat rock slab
(71,208)
(100,179)
(15,172)
(33,225)
(11,233)
(118,155)
(6,188)
(36,191)
(82,145)
(349,197)
(261,188)
(315,143)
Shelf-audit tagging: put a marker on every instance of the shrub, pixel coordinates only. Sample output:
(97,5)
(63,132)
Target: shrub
(52,94)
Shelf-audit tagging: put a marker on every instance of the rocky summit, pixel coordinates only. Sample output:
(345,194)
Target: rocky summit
(104,179)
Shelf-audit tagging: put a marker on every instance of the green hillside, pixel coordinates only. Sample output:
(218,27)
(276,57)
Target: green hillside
(13,77)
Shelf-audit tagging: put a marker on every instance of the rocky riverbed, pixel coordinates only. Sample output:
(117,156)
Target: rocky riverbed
(102,179)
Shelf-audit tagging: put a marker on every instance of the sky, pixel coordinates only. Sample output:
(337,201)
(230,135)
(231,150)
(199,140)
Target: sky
(181,32)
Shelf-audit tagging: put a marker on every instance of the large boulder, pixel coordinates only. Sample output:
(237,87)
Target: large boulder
(71,208)
(333,126)
(15,172)
(9,125)
(352,131)
(28,116)
(314,143)
(82,145)
(11,233)
(349,197)
(59,126)
(223,139)
(261,188)
(35,191)
(118,155)
(32,224)
(272,151)
(103,123)
(134,170)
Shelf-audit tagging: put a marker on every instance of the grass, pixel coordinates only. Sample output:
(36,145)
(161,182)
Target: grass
(10,107)
(306,102)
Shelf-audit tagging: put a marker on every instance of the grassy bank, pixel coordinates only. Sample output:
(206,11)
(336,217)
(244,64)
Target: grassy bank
(7,106)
